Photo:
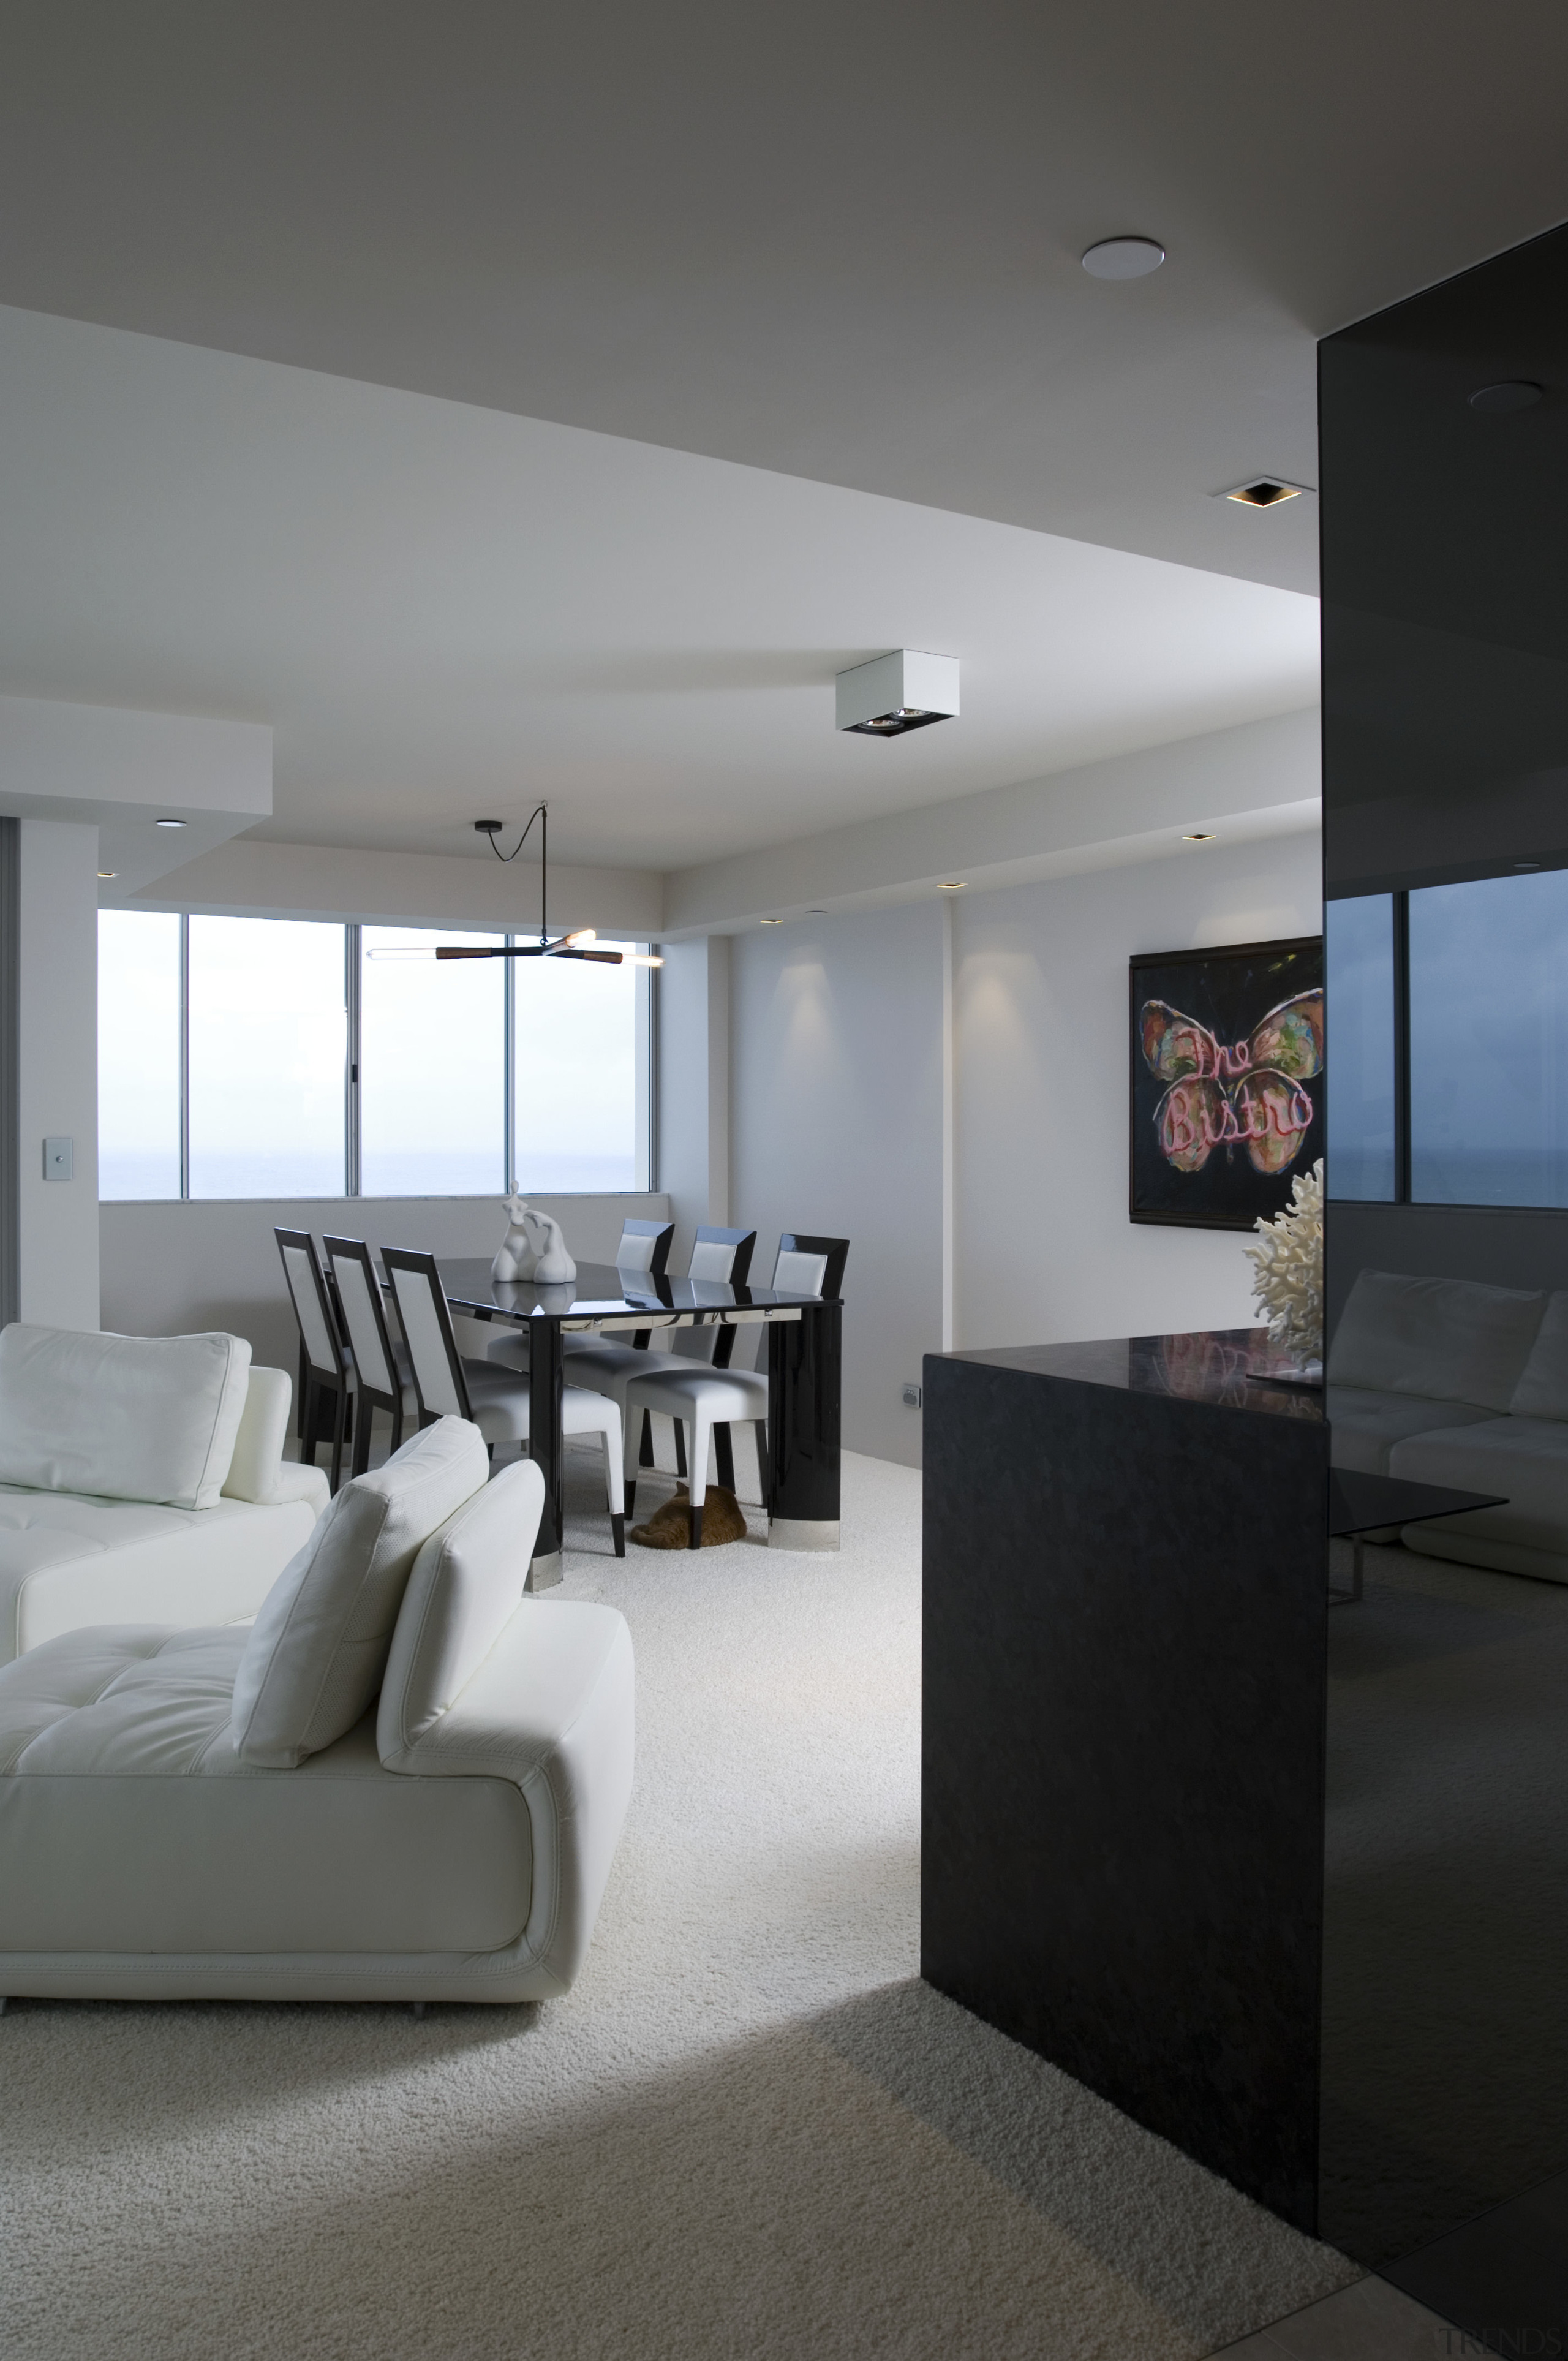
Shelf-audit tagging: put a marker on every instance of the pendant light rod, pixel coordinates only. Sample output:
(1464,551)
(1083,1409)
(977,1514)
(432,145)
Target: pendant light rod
(574,946)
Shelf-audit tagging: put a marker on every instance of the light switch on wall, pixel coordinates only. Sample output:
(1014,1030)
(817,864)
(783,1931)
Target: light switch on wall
(59,1158)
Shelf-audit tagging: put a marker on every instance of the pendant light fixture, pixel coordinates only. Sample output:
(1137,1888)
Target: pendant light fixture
(577,945)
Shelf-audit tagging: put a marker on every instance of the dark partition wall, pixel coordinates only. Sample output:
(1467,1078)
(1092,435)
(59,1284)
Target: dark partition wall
(1444,497)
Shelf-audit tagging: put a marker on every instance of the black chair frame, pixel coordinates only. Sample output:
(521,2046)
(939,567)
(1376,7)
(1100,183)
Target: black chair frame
(319,1386)
(369,1397)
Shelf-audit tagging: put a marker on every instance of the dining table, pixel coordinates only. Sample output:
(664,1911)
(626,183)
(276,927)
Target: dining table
(804,1365)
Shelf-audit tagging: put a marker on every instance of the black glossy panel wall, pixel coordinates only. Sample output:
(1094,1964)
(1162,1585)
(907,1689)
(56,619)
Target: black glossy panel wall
(1444,502)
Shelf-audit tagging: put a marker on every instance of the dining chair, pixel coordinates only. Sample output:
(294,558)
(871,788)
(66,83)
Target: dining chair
(325,1363)
(494,1400)
(606,1366)
(704,1398)
(382,1380)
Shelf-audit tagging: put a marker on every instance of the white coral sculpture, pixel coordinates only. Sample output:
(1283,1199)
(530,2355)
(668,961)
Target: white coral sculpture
(1289,1289)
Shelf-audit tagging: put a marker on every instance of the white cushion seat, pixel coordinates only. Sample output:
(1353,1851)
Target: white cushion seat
(1525,1460)
(701,1399)
(1367,1424)
(499,1401)
(71,1557)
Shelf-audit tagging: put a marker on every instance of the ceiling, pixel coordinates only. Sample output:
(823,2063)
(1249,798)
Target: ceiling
(507,401)
(445,611)
(836,241)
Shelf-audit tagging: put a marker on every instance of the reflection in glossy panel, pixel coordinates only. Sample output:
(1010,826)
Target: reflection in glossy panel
(1358,963)
(1445,630)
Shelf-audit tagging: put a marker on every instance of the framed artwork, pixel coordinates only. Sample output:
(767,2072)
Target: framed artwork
(1227,1080)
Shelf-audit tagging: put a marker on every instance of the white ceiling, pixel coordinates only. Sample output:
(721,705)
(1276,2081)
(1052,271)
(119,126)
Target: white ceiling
(839,239)
(445,611)
(802,287)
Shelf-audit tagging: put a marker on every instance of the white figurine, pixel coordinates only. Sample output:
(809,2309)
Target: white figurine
(515,1259)
(552,1264)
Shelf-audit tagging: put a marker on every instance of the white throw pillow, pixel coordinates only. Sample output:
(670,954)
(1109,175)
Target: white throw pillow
(318,1648)
(130,1418)
(1542,1389)
(1446,1339)
(463,1589)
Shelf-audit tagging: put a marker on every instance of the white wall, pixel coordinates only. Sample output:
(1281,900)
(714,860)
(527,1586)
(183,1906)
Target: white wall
(57,1070)
(692,1060)
(837,1120)
(836,1098)
(172,1270)
(1045,1251)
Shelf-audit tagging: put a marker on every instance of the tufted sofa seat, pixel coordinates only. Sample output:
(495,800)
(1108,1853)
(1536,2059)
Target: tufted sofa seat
(1448,1382)
(73,1552)
(453,1843)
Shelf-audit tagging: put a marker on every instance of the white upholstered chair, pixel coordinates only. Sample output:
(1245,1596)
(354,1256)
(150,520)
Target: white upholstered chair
(493,1398)
(705,1399)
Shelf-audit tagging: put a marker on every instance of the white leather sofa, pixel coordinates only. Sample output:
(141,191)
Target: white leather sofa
(1447,1382)
(141,1478)
(405,1783)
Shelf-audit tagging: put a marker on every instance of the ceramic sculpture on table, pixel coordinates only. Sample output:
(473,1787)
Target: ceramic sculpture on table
(515,1258)
(553,1265)
(1289,1289)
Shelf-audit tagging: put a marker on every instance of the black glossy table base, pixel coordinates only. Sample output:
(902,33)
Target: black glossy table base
(1125,1601)
(805,1360)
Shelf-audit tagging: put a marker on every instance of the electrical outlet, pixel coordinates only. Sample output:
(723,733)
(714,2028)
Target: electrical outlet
(910,1397)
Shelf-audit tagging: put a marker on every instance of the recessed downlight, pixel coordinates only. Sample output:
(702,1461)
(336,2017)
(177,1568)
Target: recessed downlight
(1527,865)
(769,922)
(1264,492)
(1123,257)
(1199,836)
(168,823)
(816,914)
(950,884)
(108,872)
(1515,393)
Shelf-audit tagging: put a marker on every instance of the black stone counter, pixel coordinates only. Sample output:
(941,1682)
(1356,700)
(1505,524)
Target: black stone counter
(1125,1595)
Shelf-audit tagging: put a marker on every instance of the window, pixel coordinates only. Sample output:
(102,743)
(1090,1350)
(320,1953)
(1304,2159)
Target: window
(432,1070)
(1489,1041)
(272,1058)
(139,1054)
(268,1025)
(1358,953)
(576,1034)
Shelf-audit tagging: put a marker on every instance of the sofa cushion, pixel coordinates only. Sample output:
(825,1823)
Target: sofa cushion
(319,1644)
(67,1560)
(1364,1426)
(1542,1389)
(129,1418)
(1445,1339)
(1525,1459)
(465,1585)
(128,1824)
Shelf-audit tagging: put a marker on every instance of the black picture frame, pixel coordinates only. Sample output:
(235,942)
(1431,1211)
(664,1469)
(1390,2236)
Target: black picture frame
(1227,990)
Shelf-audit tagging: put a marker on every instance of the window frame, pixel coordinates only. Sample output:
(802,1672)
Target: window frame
(646,1034)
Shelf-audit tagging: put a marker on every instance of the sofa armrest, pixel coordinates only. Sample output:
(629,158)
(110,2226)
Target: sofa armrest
(551,1710)
(259,1472)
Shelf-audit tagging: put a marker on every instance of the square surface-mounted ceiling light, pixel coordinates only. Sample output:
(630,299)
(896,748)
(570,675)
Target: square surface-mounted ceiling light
(894,692)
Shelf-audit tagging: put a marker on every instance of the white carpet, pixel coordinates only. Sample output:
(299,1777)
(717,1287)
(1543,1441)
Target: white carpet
(748,2130)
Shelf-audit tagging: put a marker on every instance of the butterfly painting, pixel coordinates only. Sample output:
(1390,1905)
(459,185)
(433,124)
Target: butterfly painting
(1228,1061)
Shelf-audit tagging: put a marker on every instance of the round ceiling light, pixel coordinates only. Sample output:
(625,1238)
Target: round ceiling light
(168,823)
(1197,836)
(1123,257)
(108,872)
(1496,401)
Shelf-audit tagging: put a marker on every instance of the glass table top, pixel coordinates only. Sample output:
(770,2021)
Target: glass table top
(601,1291)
